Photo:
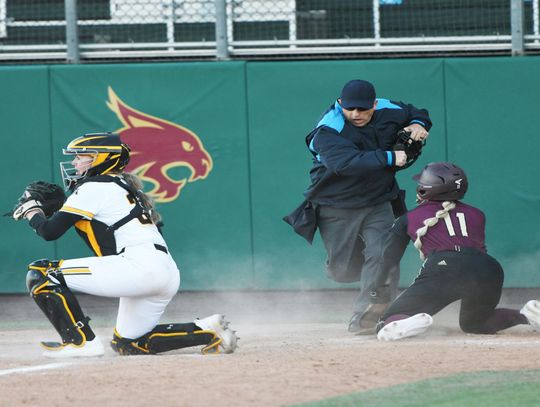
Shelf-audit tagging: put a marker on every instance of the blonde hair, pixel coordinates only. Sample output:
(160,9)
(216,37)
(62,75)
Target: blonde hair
(441,214)
(147,201)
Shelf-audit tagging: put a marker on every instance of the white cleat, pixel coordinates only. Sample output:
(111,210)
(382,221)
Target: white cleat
(217,324)
(531,310)
(60,351)
(405,328)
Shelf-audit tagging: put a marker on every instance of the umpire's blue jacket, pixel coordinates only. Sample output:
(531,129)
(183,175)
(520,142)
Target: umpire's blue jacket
(353,167)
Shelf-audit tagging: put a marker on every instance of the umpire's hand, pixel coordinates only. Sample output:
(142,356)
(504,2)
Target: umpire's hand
(418,133)
(401,158)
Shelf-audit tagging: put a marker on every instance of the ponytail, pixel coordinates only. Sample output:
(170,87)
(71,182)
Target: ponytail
(443,213)
(146,200)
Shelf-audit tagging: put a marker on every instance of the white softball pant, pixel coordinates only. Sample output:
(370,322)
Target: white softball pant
(144,278)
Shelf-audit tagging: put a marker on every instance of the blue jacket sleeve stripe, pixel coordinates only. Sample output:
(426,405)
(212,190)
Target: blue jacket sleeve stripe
(419,122)
(389,158)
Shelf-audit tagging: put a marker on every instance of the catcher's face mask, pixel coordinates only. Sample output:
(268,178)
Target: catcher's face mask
(77,168)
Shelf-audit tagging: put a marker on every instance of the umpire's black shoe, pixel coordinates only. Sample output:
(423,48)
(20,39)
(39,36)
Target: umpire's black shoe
(366,323)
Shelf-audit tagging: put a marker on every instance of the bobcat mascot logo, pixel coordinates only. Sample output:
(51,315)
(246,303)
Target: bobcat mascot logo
(158,146)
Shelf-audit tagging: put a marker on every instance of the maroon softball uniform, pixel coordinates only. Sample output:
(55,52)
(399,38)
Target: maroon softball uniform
(457,267)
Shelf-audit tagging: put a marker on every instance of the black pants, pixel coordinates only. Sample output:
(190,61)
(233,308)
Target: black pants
(473,277)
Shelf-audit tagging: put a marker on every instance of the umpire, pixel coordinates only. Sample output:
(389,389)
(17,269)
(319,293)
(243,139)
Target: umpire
(354,197)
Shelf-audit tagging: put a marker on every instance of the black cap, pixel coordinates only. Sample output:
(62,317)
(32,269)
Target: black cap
(358,94)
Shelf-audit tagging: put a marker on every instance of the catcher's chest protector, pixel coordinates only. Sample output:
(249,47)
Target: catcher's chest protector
(98,235)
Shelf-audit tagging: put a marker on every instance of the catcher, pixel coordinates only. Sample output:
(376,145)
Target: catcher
(357,147)
(450,237)
(119,223)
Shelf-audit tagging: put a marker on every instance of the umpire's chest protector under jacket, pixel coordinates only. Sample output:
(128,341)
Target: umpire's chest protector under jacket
(353,166)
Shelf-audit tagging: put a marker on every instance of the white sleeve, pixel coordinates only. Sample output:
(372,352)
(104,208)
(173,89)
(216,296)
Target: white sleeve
(86,201)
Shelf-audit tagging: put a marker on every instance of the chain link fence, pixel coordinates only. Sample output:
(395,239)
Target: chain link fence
(73,31)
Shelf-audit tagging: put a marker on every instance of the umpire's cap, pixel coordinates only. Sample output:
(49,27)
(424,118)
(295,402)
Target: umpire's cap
(358,94)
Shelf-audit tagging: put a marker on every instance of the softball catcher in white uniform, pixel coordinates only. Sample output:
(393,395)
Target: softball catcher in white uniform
(119,223)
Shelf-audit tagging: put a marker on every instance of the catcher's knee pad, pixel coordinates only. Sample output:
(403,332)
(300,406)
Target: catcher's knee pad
(48,288)
(164,338)
(38,272)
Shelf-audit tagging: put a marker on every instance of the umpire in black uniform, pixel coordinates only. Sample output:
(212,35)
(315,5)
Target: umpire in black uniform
(353,187)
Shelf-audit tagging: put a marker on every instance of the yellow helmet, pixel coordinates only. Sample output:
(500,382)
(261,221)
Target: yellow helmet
(110,154)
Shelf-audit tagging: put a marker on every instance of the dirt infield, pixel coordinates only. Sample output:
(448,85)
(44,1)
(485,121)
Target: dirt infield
(294,348)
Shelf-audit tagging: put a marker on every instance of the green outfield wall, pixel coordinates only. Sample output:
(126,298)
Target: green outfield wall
(223,224)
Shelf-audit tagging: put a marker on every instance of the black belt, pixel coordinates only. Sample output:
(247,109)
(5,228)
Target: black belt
(461,249)
(157,246)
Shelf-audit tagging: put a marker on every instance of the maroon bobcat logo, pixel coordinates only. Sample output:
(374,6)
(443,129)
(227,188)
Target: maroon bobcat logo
(158,146)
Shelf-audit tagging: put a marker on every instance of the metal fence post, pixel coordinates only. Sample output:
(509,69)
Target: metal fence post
(516,20)
(72,36)
(377,22)
(222,45)
(536,18)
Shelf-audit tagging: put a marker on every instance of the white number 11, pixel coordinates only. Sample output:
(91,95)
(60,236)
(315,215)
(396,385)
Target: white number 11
(462,224)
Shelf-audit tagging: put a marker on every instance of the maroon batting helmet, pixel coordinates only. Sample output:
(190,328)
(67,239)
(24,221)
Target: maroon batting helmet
(442,181)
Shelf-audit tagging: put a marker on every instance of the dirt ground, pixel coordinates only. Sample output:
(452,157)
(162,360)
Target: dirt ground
(294,348)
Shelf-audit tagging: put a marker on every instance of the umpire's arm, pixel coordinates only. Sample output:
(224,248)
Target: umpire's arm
(343,157)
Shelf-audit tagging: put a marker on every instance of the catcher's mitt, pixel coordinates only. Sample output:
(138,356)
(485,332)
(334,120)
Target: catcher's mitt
(412,148)
(39,194)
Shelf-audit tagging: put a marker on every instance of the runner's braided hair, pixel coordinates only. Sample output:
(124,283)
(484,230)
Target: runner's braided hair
(443,213)
(147,201)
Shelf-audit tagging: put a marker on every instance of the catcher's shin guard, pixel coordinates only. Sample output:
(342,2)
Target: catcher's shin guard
(127,346)
(48,288)
(164,338)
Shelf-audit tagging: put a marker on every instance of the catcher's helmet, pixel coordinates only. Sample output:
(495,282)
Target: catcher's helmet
(441,181)
(110,155)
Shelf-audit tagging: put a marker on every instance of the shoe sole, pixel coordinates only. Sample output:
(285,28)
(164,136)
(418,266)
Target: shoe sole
(405,328)
(71,355)
(531,310)
(68,351)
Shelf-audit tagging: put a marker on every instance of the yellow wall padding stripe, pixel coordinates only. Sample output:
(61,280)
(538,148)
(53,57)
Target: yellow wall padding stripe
(85,227)
(76,211)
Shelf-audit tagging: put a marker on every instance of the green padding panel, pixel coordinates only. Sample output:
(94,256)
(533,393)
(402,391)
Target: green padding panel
(27,156)
(207,226)
(225,228)
(493,123)
(285,101)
